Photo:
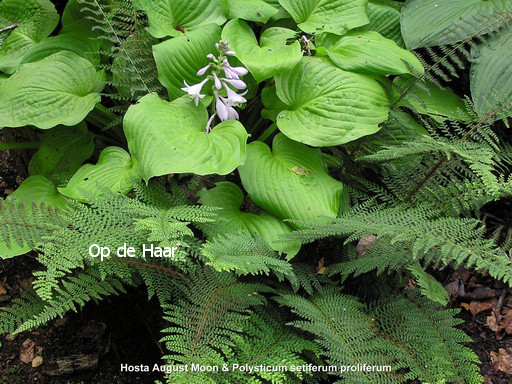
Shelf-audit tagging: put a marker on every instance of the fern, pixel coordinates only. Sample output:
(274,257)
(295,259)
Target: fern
(413,336)
(244,254)
(423,231)
(71,294)
(206,321)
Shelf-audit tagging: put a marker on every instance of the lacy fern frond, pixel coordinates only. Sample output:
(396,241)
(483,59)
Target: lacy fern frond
(423,231)
(27,226)
(71,294)
(344,332)
(398,331)
(206,321)
(112,221)
(434,347)
(245,255)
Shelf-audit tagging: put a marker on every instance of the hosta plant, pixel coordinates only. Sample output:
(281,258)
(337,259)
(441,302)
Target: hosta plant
(314,163)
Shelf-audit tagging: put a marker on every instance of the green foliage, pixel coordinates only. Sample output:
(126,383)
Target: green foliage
(231,219)
(206,321)
(406,159)
(35,20)
(168,138)
(60,89)
(411,335)
(321,104)
(28,216)
(301,187)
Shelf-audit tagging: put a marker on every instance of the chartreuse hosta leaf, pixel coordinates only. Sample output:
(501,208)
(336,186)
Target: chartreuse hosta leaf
(428,99)
(268,58)
(180,58)
(35,189)
(328,106)
(115,171)
(63,150)
(229,197)
(491,76)
(438,22)
(60,89)
(252,10)
(78,42)
(36,19)
(334,16)
(173,18)
(368,52)
(291,181)
(170,138)
(384,19)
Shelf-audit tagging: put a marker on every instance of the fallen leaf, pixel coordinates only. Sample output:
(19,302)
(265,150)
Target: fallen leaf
(502,361)
(455,288)
(475,307)
(3,288)
(364,244)
(482,293)
(38,360)
(320,269)
(28,351)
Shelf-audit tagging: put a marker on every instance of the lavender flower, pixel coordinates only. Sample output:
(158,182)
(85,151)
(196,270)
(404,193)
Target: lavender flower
(224,107)
(195,90)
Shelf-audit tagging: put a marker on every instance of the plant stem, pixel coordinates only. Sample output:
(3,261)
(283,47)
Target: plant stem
(268,132)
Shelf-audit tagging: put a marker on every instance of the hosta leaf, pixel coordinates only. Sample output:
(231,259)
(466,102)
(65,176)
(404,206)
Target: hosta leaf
(384,19)
(229,197)
(77,42)
(329,106)
(63,150)
(491,77)
(60,89)
(428,99)
(114,171)
(173,18)
(36,19)
(180,58)
(439,22)
(368,52)
(268,58)
(35,189)
(252,10)
(334,16)
(291,181)
(271,103)
(170,138)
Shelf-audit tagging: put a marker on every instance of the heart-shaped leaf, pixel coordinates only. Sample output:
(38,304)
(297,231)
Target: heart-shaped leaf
(291,181)
(62,152)
(329,106)
(114,171)
(35,189)
(384,19)
(229,197)
(252,10)
(334,16)
(356,50)
(180,58)
(439,22)
(173,18)
(170,138)
(78,42)
(36,19)
(491,76)
(428,99)
(268,58)
(60,89)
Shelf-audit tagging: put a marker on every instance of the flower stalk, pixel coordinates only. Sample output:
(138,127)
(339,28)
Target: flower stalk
(226,82)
